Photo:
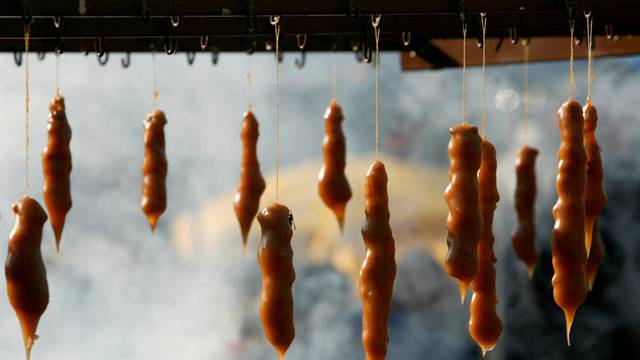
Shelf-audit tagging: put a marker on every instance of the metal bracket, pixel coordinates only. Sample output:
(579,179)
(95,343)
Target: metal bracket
(126,60)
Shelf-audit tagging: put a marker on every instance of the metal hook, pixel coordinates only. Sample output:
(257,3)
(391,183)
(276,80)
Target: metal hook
(215,55)
(59,44)
(41,55)
(58,22)
(375,20)
(175,21)
(170,45)
(524,42)
(406,38)
(99,46)
(355,47)
(608,31)
(274,19)
(513,35)
(17,58)
(366,53)
(499,43)
(302,60)
(280,56)
(191,57)
(301,39)
(578,38)
(103,60)
(204,42)
(126,60)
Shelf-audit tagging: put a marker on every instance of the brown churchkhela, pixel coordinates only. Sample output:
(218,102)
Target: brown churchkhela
(276,260)
(485,326)
(56,165)
(378,271)
(595,198)
(524,237)
(569,255)
(154,168)
(464,223)
(333,186)
(596,256)
(24,269)
(247,199)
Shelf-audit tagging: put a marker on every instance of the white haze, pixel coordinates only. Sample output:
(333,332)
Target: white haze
(119,293)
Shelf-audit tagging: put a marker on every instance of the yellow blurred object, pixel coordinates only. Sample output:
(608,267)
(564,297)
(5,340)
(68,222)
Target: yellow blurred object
(418,215)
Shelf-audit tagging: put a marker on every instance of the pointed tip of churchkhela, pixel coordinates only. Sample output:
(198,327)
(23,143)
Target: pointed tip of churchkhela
(485,350)
(590,281)
(569,315)
(530,270)
(153,222)
(464,286)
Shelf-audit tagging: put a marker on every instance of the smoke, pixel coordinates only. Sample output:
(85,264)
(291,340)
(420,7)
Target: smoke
(118,292)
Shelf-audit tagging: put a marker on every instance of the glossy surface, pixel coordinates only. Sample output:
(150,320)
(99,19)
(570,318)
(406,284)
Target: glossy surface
(56,167)
(24,269)
(378,271)
(464,223)
(596,256)
(246,201)
(275,256)
(524,238)
(569,255)
(485,326)
(595,198)
(154,168)
(333,187)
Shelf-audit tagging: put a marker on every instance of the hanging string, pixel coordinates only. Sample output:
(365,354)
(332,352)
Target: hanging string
(334,72)
(275,21)
(464,72)
(375,22)
(27,30)
(525,90)
(156,94)
(571,74)
(483,19)
(57,74)
(589,47)
(249,82)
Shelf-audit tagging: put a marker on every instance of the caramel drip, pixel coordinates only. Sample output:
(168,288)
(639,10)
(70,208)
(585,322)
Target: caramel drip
(464,224)
(378,271)
(485,326)
(276,260)
(595,198)
(524,237)
(56,165)
(247,199)
(596,256)
(26,275)
(569,255)
(154,168)
(333,186)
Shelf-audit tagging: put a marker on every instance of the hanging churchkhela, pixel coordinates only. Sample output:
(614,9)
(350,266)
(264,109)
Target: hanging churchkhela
(524,237)
(275,254)
(333,185)
(595,198)
(247,199)
(154,166)
(56,164)
(485,326)
(464,223)
(25,271)
(378,271)
(569,256)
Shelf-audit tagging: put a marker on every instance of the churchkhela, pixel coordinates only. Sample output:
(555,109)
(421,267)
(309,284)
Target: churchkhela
(275,256)
(247,198)
(154,168)
(595,198)
(56,166)
(485,326)
(378,271)
(24,269)
(333,186)
(569,255)
(464,223)
(523,239)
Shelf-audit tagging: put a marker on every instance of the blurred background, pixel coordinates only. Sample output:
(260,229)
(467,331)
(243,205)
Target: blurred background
(187,291)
